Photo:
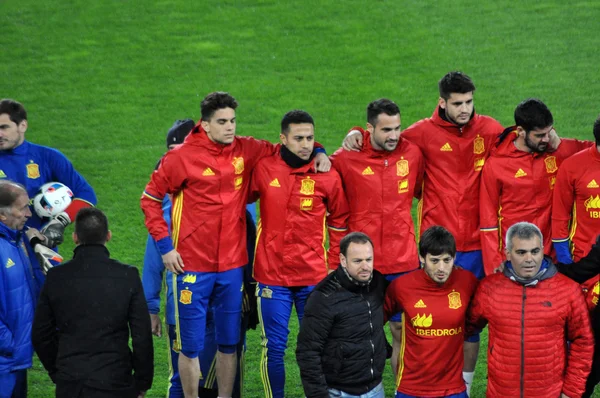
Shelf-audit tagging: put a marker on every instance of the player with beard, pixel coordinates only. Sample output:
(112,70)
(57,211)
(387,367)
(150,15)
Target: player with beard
(380,183)
(455,141)
(518,179)
(434,302)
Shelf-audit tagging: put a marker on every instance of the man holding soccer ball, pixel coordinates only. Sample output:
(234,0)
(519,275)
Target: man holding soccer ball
(33,166)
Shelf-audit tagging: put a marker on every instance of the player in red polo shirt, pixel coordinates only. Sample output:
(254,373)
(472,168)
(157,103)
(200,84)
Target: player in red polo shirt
(434,302)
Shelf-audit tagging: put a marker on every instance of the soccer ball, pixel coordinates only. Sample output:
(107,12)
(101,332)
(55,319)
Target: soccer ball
(52,199)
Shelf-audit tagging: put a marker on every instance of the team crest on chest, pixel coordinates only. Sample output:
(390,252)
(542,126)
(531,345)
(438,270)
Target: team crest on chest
(307,187)
(478,145)
(551,166)
(33,170)
(454,300)
(238,165)
(402,167)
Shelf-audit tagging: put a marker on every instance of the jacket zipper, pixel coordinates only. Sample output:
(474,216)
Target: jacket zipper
(523,342)
(371,340)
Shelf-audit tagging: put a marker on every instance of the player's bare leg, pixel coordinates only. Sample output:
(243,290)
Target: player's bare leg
(471,351)
(226,371)
(189,372)
(396,329)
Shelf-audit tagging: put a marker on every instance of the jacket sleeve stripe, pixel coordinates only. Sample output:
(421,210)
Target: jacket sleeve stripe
(337,229)
(146,194)
(176,219)
(488,229)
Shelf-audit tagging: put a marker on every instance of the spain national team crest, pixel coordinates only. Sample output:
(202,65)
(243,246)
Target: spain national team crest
(33,170)
(266,293)
(307,187)
(478,145)
(238,165)
(551,166)
(454,300)
(402,167)
(185,297)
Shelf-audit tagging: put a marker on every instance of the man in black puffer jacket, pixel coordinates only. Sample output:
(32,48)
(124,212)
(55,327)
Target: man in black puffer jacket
(341,344)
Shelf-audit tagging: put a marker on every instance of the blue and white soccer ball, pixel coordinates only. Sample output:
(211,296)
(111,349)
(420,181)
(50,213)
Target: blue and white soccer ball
(52,199)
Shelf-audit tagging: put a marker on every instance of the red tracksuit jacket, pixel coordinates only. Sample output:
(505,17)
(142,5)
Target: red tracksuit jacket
(209,183)
(577,202)
(517,186)
(454,157)
(379,186)
(433,332)
(291,233)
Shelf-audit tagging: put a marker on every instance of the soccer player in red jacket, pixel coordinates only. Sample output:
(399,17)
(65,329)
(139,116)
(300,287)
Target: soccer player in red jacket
(455,142)
(208,177)
(297,208)
(434,302)
(576,210)
(380,183)
(533,313)
(518,179)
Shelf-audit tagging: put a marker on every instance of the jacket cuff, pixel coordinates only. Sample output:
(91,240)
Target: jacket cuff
(165,245)
(563,254)
(320,150)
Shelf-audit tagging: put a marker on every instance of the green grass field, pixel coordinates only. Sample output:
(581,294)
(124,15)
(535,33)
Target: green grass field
(104,80)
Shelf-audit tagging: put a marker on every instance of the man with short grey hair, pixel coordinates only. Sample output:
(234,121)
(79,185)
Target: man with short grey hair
(532,312)
(20,279)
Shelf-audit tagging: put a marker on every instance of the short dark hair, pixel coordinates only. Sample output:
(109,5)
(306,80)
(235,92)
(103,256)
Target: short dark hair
(215,101)
(436,241)
(377,107)
(295,117)
(597,130)
(353,237)
(15,110)
(91,226)
(455,82)
(9,192)
(533,114)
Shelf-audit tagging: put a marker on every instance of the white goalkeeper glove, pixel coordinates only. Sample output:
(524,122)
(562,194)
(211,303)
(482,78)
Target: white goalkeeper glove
(54,230)
(45,255)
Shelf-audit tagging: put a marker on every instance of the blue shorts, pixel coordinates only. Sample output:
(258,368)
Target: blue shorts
(471,261)
(195,293)
(397,317)
(459,395)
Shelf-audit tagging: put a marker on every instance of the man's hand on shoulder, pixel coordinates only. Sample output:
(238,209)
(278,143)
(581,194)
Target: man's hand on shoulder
(173,262)
(353,141)
(554,141)
(322,162)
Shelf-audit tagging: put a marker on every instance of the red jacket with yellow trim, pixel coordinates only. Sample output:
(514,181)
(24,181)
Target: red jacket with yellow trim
(577,202)
(431,359)
(454,157)
(380,186)
(529,326)
(296,206)
(209,183)
(517,186)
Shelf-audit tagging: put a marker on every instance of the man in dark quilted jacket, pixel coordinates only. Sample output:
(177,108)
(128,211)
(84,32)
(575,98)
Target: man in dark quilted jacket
(532,311)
